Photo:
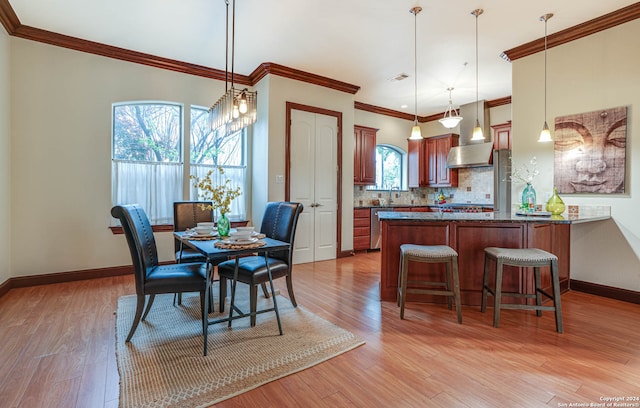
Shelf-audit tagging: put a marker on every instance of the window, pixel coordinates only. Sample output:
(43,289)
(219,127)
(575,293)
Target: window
(389,164)
(147,157)
(209,150)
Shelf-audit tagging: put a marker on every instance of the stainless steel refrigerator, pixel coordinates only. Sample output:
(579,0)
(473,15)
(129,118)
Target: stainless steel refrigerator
(501,180)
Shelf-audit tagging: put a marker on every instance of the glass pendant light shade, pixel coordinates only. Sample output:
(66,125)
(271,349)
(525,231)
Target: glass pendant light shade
(477,132)
(451,117)
(416,133)
(545,134)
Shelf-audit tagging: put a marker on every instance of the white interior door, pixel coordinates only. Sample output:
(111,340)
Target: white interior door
(313,182)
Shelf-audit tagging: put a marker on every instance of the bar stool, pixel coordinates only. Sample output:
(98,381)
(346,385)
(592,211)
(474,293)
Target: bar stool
(429,254)
(531,257)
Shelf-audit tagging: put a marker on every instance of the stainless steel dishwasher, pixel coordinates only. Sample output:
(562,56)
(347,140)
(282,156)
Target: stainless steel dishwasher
(375,226)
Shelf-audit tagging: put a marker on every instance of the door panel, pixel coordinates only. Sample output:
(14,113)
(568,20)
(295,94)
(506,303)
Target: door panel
(313,182)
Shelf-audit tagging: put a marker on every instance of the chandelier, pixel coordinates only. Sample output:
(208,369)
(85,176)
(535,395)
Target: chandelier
(236,109)
(451,117)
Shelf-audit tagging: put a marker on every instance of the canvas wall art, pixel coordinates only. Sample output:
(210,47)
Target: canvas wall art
(590,152)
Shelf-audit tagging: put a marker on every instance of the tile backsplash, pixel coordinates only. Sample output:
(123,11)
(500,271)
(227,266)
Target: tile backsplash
(475,186)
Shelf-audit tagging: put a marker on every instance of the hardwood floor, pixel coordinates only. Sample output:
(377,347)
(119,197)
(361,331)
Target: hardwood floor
(57,349)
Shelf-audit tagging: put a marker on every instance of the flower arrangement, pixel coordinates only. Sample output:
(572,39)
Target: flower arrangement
(220,195)
(526,174)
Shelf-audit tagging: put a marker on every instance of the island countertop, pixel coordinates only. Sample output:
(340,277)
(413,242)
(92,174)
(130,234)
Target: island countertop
(586,214)
(468,234)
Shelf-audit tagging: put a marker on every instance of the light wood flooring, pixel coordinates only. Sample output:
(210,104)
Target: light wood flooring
(57,349)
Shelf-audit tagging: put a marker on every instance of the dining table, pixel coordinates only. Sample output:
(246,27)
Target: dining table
(217,250)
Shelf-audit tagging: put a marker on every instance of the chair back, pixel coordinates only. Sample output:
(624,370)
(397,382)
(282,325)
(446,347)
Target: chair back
(142,243)
(187,214)
(279,222)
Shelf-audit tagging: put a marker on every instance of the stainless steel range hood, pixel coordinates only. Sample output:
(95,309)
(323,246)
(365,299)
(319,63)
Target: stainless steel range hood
(475,155)
(472,154)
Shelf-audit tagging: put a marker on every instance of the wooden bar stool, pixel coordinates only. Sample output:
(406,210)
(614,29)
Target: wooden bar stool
(429,254)
(531,257)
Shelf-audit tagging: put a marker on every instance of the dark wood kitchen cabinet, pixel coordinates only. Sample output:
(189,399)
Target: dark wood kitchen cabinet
(427,162)
(417,163)
(502,136)
(364,160)
(361,229)
(438,150)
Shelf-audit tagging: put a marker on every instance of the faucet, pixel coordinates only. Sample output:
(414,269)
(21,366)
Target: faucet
(390,191)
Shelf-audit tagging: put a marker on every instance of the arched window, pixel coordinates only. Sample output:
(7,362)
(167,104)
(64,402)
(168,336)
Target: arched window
(389,165)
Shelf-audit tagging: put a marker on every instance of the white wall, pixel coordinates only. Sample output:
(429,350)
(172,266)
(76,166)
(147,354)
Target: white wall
(596,72)
(5,158)
(281,90)
(61,149)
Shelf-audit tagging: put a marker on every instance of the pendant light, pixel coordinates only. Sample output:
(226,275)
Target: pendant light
(545,134)
(416,133)
(451,117)
(477,130)
(236,109)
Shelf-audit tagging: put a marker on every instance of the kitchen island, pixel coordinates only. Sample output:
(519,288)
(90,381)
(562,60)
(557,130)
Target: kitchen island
(469,234)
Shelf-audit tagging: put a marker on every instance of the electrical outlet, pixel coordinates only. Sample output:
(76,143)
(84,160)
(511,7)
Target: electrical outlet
(279,179)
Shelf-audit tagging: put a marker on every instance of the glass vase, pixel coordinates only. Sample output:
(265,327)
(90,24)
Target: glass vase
(223,225)
(555,205)
(529,198)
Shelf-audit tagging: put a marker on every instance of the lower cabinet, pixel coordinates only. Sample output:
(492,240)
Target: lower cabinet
(361,229)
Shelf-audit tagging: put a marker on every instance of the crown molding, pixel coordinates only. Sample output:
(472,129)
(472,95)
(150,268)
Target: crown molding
(267,68)
(615,18)
(422,119)
(8,17)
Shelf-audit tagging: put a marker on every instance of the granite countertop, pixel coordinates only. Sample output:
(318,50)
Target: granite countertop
(586,214)
(426,205)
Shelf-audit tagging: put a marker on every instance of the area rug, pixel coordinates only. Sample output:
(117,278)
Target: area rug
(163,365)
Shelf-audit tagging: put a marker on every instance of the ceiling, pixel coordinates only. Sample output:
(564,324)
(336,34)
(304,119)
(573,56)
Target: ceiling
(361,42)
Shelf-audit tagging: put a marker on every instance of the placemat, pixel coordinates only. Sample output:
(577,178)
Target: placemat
(230,245)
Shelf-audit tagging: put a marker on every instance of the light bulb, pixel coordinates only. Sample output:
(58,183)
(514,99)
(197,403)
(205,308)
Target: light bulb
(243,104)
(236,110)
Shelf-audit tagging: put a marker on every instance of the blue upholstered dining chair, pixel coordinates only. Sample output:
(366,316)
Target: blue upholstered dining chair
(150,277)
(279,222)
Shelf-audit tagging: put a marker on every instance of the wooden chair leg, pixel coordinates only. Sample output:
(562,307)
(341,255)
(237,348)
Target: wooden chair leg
(403,288)
(497,294)
(485,283)
(292,297)
(555,281)
(146,312)
(456,289)
(265,291)
(538,287)
(253,300)
(136,319)
(447,282)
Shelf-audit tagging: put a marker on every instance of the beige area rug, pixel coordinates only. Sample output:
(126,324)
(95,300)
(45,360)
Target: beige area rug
(163,365)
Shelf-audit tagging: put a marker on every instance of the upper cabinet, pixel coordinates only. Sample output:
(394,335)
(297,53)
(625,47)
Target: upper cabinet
(502,136)
(427,162)
(417,163)
(364,160)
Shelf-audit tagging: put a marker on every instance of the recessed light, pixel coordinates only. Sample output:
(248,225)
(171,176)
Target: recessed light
(405,106)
